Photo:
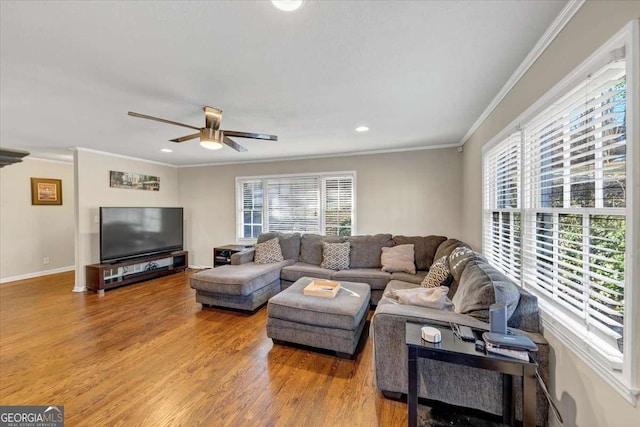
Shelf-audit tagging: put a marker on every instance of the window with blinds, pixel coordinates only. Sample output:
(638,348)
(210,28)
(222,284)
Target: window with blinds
(322,203)
(555,206)
(575,192)
(251,208)
(293,204)
(502,214)
(338,205)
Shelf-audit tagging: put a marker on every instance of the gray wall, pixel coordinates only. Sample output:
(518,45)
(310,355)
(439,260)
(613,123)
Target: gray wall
(415,193)
(584,398)
(30,233)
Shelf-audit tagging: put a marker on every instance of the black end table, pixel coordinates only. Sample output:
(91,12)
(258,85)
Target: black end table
(454,350)
(222,254)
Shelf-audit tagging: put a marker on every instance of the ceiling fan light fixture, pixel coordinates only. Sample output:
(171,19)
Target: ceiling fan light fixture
(288,5)
(211,139)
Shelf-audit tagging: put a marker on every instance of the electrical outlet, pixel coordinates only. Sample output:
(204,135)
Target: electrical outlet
(96,219)
(45,260)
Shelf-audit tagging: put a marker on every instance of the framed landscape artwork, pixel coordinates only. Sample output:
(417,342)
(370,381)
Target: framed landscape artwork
(46,191)
(134,181)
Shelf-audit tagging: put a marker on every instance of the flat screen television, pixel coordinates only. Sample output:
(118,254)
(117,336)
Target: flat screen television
(129,232)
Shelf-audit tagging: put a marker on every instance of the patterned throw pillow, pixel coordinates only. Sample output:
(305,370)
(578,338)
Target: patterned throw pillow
(268,252)
(438,274)
(335,256)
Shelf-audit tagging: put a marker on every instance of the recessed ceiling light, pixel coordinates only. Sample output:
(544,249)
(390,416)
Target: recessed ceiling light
(166,150)
(288,5)
(362,129)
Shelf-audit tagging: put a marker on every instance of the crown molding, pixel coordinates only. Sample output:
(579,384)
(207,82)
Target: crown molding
(327,156)
(121,156)
(552,32)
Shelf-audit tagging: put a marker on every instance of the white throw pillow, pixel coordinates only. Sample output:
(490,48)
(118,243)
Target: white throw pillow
(335,256)
(268,252)
(438,274)
(398,258)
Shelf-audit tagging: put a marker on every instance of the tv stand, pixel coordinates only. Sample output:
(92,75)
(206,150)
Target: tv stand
(101,277)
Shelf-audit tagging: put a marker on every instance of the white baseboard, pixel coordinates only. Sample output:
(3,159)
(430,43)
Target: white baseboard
(37,274)
(199,267)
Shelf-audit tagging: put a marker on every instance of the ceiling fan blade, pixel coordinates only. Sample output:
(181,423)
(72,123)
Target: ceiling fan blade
(157,119)
(212,117)
(185,138)
(231,143)
(263,136)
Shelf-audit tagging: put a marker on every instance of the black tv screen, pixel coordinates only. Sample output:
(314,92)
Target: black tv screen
(134,232)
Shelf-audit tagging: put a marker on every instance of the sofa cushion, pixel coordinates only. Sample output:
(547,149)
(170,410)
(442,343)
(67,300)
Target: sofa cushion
(366,250)
(311,247)
(335,256)
(480,286)
(237,279)
(398,258)
(447,247)
(411,278)
(376,278)
(289,243)
(301,269)
(438,274)
(268,252)
(425,248)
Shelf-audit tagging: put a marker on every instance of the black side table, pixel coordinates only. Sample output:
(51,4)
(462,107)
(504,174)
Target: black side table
(222,254)
(453,350)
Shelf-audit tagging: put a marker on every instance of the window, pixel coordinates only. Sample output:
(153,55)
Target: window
(502,215)
(322,203)
(576,204)
(557,209)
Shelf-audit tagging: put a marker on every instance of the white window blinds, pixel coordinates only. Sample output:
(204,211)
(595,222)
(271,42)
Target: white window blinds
(251,207)
(338,205)
(575,191)
(576,198)
(502,215)
(294,204)
(323,203)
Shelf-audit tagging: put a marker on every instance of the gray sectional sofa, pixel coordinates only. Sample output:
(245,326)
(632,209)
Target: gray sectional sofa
(475,284)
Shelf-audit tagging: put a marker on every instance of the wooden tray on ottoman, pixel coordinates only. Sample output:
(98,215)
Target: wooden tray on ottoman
(322,288)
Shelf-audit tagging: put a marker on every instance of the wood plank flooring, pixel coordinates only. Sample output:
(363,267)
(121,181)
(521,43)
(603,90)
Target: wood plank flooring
(149,355)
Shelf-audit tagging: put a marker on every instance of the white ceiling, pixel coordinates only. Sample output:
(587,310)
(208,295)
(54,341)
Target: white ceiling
(418,74)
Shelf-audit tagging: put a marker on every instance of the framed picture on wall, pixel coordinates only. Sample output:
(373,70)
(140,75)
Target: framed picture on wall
(46,191)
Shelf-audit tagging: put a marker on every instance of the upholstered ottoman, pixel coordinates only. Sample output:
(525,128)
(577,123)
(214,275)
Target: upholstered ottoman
(243,287)
(328,323)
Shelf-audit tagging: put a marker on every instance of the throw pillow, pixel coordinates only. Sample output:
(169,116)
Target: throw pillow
(438,274)
(424,246)
(422,297)
(268,252)
(335,256)
(398,258)
(459,259)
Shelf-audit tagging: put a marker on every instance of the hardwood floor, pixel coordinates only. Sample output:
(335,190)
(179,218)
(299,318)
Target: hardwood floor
(149,355)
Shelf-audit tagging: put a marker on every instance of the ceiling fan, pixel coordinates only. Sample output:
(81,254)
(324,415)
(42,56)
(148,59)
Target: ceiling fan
(211,136)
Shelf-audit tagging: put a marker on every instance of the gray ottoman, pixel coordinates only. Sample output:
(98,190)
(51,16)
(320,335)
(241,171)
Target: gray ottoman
(328,323)
(242,287)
